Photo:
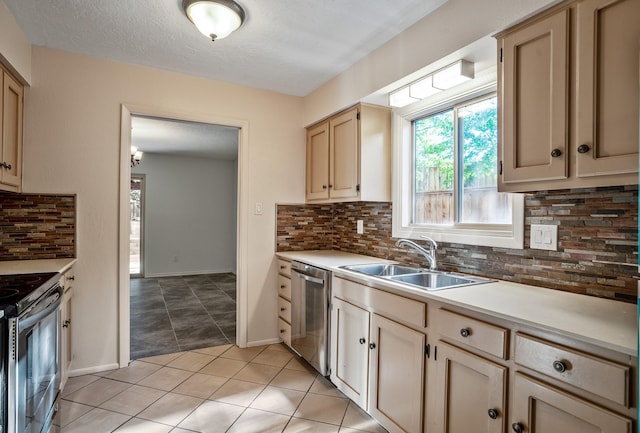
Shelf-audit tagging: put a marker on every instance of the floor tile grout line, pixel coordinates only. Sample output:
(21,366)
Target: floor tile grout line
(209,313)
(169,315)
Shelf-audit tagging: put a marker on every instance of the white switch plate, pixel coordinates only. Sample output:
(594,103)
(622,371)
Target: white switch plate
(544,237)
(359,227)
(258,208)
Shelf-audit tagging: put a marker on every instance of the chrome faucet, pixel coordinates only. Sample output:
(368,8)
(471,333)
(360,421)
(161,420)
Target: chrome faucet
(429,255)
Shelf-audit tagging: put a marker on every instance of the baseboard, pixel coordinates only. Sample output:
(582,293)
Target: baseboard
(92,370)
(186,274)
(264,342)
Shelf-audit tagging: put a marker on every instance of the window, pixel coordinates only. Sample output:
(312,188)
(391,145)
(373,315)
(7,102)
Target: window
(446,173)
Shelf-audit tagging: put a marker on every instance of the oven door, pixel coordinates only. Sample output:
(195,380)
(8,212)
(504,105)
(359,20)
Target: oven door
(34,365)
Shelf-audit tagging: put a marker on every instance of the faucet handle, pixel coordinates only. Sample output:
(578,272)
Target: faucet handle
(434,244)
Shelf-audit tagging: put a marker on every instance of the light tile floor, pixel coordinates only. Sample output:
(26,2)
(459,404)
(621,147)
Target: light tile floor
(212,390)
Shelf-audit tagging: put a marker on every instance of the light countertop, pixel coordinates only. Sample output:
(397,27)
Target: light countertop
(35,266)
(607,323)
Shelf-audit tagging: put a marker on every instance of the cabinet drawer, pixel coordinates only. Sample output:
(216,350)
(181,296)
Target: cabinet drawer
(387,304)
(284,267)
(284,287)
(587,372)
(473,333)
(284,329)
(284,309)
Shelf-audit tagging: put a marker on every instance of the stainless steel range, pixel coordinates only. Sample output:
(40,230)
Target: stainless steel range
(30,305)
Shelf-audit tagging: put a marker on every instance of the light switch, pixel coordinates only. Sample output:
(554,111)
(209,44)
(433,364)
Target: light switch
(544,237)
(258,208)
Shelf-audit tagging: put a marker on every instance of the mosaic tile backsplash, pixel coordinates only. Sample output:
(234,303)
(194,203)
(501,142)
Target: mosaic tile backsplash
(597,240)
(36,226)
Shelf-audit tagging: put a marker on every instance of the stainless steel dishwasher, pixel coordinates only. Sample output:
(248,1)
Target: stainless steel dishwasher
(310,297)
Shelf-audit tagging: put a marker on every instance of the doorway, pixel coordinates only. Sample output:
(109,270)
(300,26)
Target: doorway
(136,226)
(125,288)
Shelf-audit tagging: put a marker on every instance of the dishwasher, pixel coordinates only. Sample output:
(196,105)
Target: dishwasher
(310,298)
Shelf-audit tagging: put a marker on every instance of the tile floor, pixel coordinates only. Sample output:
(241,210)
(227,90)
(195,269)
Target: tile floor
(173,314)
(212,390)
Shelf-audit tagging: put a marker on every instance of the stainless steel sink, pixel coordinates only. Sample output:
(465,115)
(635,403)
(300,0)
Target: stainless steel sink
(416,277)
(384,270)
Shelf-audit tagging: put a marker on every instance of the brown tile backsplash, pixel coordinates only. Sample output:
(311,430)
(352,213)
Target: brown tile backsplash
(597,240)
(37,226)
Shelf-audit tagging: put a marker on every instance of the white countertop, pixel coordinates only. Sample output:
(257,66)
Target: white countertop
(35,266)
(606,323)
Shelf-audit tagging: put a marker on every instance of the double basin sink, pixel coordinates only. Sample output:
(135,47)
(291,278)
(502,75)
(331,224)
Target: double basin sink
(423,278)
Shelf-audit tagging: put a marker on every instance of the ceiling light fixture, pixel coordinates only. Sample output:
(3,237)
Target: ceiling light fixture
(215,19)
(136,156)
(443,79)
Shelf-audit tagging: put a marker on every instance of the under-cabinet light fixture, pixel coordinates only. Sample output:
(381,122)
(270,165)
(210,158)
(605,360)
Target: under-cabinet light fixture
(443,79)
(136,156)
(215,19)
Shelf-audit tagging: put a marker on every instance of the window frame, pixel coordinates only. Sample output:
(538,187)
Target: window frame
(490,235)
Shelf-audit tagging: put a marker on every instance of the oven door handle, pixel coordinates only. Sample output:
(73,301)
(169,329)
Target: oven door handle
(41,310)
(311,279)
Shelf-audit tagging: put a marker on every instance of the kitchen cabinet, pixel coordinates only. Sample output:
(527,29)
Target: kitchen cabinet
(66,330)
(568,89)
(540,408)
(376,360)
(284,301)
(348,156)
(11,113)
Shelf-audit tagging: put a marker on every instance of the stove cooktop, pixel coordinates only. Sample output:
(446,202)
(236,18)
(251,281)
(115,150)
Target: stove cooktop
(19,291)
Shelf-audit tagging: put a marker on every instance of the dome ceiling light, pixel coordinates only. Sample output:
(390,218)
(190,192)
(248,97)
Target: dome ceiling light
(215,19)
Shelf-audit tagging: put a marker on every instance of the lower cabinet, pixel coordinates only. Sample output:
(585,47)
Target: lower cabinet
(469,392)
(540,408)
(66,342)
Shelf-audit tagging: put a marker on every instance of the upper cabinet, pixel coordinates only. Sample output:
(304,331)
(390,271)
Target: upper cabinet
(349,156)
(11,131)
(569,90)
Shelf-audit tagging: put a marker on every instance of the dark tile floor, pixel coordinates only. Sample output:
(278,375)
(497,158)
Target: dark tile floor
(174,314)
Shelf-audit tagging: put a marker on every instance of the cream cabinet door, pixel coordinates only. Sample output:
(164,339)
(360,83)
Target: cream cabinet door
(343,148)
(535,101)
(12,100)
(350,350)
(608,48)
(470,392)
(396,397)
(317,187)
(538,408)
(66,348)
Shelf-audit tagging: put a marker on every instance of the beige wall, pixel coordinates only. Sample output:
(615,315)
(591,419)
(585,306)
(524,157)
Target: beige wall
(72,142)
(453,26)
(15,48)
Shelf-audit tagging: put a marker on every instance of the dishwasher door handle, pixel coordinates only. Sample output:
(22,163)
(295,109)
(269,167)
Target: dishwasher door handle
(311,279)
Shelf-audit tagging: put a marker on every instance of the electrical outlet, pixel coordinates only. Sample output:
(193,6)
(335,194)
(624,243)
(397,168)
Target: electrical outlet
(360,227)
(544,237)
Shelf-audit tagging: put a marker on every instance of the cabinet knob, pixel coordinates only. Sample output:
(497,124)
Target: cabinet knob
(583,148)
(283,286)
(559,366)
(493,414)
(362,340)
(283,308)
(72,278)
(556,153)
(283,267)
(66,323)
(324,186)
(372,346)
(465,332)
(517,427)
(282,331)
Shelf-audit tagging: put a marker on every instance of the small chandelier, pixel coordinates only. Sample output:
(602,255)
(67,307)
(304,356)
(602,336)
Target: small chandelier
(215,19)
(136,156)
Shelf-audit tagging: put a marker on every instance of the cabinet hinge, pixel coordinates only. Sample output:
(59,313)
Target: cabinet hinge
(500,55)
(500,168)
(427,350)
(358,187)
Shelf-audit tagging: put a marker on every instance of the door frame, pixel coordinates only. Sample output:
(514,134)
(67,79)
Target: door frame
(242,239)
(143,179)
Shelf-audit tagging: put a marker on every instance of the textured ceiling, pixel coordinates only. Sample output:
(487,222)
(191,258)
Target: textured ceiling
(287,46)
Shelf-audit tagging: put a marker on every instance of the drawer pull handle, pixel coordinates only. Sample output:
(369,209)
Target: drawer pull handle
(324,186)
(372,346)
(283,267)
(66,323)
(283,308)
(493,414)
(72,278)
(583,148)
(465,332)
(559,366)
(283,286)
(517,427)
(556,153)
(282,331)
(362,340)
